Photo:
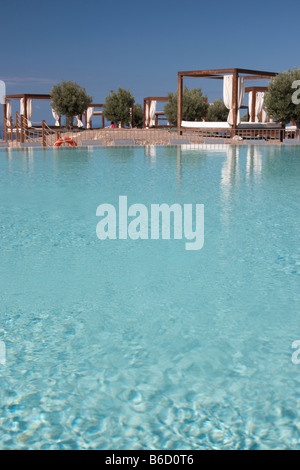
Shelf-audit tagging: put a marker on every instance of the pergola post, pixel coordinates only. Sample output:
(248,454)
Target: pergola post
(25,108)
(44,133)
(149,106)
(17,126)
(179,103)
(25,117)
(144,112)
(22,129)
(11,129)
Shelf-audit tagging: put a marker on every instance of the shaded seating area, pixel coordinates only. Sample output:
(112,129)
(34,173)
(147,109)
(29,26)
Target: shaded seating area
(21,126)
(233,81)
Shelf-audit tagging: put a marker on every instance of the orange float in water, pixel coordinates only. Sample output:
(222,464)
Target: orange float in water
(67,140)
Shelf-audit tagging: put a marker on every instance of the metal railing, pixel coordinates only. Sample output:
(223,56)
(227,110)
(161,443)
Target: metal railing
(39,134)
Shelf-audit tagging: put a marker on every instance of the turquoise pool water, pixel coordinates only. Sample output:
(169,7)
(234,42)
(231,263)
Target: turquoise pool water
(140,344)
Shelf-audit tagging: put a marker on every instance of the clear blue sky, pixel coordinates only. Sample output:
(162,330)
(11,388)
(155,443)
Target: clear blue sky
(141,45)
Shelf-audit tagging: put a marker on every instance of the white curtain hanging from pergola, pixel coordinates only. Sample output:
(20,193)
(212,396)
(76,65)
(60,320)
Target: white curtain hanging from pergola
(28,109)
(250,98)
(22,106)
(79,122)
(89,115)
(259,106)
(147,114)
(56,117)
(152,113)
(259,103)
(227,96)
(8,112)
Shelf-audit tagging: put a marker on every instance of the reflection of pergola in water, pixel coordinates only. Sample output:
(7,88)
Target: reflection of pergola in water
(230,169)
(151,116)
(234,94)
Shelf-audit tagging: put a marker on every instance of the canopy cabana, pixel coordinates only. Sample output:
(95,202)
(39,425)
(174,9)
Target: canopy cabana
(233,90)
(25,108)
(151,116)
(90,112)
(22,118)
(255,103)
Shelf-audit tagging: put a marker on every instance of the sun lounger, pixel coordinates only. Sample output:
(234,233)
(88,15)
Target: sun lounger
(31,144)
(91,143)
(254,141)
(225,125)
(291,141)
(179,141)
(214,141)
(122,142)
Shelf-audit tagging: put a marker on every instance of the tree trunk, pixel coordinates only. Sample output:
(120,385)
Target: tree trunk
(70,122)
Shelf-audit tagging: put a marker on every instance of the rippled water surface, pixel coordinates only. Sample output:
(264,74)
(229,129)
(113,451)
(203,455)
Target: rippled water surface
(140,344)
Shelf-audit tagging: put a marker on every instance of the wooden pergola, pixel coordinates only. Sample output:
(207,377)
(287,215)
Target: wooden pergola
(254,90)
(96,113)
(22,121)
(218,75)
(158,114)
(25,96)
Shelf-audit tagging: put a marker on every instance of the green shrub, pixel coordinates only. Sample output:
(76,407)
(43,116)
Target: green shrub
(217,111)
(138,115)
(194,106)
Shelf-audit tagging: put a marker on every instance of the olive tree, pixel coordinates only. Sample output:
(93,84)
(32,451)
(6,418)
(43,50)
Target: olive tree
(117,106)
(194,106)
(217,112)
(69,99)
(282,100)
(138,115)
(296,96)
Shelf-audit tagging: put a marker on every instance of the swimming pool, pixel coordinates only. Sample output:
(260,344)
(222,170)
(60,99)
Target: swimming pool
(140,344)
